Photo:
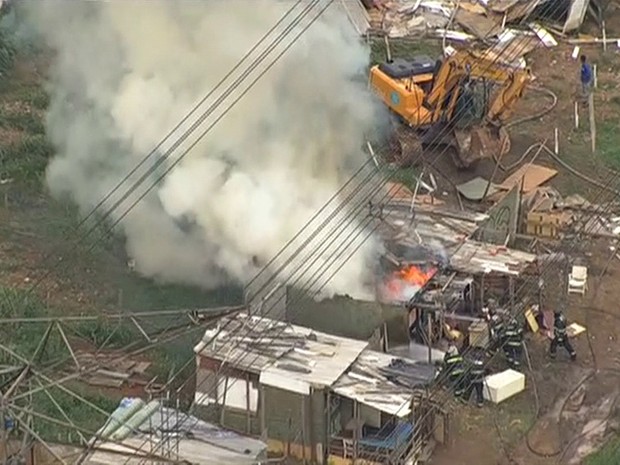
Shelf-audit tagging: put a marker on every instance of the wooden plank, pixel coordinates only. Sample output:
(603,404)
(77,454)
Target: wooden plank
(104,381)
(592,121)
(533,176)
(531,320)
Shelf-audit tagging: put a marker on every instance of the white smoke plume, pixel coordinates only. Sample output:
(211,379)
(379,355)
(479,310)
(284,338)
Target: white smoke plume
(126,72)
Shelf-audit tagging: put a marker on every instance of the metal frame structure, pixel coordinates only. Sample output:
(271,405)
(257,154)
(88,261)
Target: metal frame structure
(26,376)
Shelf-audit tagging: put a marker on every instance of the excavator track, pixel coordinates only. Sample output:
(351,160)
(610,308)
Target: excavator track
(406,147)
(465,147)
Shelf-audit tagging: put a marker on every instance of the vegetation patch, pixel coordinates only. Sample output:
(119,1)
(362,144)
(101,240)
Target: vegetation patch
(608,455)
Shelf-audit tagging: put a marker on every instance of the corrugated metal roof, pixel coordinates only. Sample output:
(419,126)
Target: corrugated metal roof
(286,356)
(449,232)
(209,444)
(190,451)
(430,224)
(384,382)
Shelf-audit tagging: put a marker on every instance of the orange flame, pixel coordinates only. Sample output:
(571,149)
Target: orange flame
(405,282)
(414,275)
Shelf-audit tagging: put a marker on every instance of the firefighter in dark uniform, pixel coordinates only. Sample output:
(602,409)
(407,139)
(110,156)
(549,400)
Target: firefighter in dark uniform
(496,326)
(513,343)
(560,338)
(476,372)
(455,370)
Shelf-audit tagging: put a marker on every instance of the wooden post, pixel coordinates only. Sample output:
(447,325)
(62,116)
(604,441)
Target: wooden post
(261,406)
(304,419)
(328,427)
(223,411)
(311,439)
(248,423)
(429,326)
(355,429)
(288,436)
(592,121)
(576,114)
(595,75)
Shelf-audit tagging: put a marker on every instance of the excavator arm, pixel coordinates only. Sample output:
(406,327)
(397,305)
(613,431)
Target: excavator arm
(428,97)
(471,65)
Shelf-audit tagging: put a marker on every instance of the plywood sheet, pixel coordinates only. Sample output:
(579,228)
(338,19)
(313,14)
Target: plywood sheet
(521,10)
(533,175)
(474,189)
(502,6)
(479,25)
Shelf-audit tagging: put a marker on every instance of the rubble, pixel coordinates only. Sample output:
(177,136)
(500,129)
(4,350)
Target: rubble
(485,21)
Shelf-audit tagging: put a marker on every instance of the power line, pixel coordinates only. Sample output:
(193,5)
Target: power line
(524,303)
(183,137)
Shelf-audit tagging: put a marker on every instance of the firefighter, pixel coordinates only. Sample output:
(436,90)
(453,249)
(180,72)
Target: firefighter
(455,371)
(513,344)
(496,326)
(560,337)
(476,372)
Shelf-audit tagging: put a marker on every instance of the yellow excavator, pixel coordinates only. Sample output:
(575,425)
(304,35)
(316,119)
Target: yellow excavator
(458,104)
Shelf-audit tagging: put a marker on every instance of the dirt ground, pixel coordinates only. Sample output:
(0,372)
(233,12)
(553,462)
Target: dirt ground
(578,408)
(33,227)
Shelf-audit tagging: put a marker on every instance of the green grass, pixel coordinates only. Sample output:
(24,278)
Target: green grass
(8,51)
(608,142)
(31,94)
(85,417)
(608,455)
(403,48)
(405,176)
(30,122)
(25,161)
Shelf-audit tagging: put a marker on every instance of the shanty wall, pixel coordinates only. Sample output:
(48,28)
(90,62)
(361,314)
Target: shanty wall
(293,424)
(346,317)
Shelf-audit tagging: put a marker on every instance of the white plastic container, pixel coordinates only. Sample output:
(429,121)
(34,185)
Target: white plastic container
(501,386)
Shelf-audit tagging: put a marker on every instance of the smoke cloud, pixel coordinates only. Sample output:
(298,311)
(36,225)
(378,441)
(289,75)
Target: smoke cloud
(126,72)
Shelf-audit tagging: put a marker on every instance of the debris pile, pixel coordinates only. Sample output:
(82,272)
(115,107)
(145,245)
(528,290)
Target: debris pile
(113,370)
(469,20)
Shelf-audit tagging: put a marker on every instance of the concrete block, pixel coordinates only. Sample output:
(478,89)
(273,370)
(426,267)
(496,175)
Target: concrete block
(501,386)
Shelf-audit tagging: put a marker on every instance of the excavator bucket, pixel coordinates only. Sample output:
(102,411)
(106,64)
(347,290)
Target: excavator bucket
(481,142)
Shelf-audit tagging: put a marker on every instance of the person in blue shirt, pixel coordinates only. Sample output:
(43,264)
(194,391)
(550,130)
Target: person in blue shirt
(586,76)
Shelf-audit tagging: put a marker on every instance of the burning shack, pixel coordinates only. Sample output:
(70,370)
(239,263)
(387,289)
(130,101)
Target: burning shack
(440,275)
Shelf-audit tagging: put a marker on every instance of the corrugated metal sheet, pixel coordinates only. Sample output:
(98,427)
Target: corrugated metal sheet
(210,444)
(576,15)
(369,381)
(450,232)
(286,356)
